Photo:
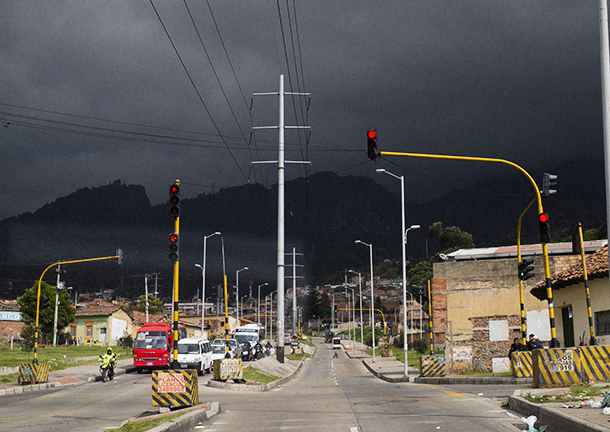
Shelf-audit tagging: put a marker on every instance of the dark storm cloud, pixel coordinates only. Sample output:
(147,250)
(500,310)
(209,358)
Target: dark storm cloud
(517,80)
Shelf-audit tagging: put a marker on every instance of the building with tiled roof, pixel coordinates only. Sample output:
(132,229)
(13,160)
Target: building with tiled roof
(100,321)
(570,300)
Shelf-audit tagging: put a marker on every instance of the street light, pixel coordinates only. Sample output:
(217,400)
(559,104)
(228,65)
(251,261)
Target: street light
(205,238)
(372,315)
(258,305)
(361,321)
(237,289)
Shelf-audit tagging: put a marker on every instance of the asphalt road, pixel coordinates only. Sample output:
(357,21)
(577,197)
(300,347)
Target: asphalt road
(337,395)
(88,407)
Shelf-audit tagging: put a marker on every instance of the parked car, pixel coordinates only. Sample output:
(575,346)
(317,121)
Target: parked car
(195,353)
(93,342)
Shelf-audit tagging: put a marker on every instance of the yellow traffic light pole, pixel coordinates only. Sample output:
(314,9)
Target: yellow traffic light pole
(521,299)
(547,273)
(118,256)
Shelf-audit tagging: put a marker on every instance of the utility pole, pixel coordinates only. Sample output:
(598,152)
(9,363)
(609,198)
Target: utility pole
(294,290)
(56,306)
(280,209)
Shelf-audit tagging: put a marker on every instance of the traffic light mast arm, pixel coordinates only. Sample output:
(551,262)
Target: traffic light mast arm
(547,271)
(38,295)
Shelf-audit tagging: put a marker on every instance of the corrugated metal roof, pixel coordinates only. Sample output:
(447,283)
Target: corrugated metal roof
(526,250)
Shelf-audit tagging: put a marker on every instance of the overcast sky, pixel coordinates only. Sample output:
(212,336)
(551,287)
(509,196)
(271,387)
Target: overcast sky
(94,91)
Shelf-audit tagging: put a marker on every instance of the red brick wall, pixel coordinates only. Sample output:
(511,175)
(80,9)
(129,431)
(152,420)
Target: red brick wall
(438,291)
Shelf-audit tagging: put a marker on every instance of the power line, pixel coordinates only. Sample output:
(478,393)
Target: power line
(196,89)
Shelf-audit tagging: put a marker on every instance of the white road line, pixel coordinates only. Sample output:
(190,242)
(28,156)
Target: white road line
(353,429)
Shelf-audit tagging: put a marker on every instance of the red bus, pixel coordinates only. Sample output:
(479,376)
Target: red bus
(153,345)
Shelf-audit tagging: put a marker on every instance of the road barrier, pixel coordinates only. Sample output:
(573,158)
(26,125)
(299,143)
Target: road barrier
(595,363)
(556,367)
(33,373)
(563,367)
(432,366)
(521,364)
(175,388)
(225,369)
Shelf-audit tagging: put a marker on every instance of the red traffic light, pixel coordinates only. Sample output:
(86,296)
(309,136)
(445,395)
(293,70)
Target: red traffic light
(174,189)
(372,134)
(543,217)
(173,238)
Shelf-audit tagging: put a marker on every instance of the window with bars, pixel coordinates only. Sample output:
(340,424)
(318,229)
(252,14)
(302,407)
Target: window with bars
(602,323)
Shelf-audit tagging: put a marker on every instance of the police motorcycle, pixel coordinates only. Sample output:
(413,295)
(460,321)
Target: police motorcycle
(107,367)
(258,351)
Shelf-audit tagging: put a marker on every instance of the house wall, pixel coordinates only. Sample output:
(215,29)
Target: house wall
(574,295)
(471,299)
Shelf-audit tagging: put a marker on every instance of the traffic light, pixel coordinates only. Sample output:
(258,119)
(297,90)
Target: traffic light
(524,269)
(548,182)
(173,247)
(119,254)
(371,144)
(336,309)
(174,200)
(422,292)
(545,235)
(44,301)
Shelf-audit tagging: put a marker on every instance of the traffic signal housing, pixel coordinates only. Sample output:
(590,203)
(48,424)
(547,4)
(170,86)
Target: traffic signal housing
(174,247)
(174,200)
(44,302)
(525,268)
(548,183)
(371,144)
(545,235)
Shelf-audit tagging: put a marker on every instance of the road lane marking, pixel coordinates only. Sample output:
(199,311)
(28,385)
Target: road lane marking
(450,393)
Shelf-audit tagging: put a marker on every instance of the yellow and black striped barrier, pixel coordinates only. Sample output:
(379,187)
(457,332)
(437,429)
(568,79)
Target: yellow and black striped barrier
(521,364)
(556,367)
(595,363)
(225,369)
(33,373)
(175,388)
(432,366)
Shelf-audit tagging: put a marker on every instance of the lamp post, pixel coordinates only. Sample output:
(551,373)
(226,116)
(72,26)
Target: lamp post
(372,294)
(258,305)
(353,315)
(205,239)
(237,291)
(361,321)
(412,227)
(405,346)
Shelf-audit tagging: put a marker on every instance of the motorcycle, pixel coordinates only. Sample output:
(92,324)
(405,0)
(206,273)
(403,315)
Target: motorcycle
(258,351)
(107,369)
(267,351)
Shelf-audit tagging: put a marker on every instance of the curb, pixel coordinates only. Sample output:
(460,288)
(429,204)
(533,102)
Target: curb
(17,389)
(188,421)
(473,380)
(256,388)
(554,418)
(385,377)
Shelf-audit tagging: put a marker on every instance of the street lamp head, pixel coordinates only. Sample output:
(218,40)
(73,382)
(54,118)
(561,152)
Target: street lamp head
(357,241)
(380,170)
(217,233)
(197,265)
(415,227)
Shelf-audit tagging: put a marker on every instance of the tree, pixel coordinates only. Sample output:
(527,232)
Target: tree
(154,305)
(451,237)
(28,335)
(65,310)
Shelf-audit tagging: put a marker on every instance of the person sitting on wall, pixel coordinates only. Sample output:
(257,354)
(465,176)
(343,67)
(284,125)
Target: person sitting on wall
(534,343)
(515,347)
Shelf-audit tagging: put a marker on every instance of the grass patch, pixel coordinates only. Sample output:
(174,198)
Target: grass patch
(253,374)
(413,356)
(576,394)
(297,357)
(144,425)
(51,355)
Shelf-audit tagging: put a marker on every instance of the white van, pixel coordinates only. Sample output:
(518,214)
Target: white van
(195,353)
(336,343)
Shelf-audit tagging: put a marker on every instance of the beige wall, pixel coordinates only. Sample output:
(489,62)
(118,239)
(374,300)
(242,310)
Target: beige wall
(574,295)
